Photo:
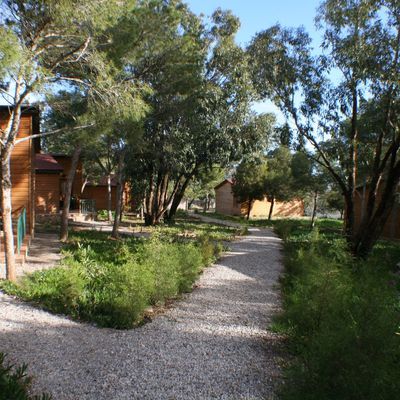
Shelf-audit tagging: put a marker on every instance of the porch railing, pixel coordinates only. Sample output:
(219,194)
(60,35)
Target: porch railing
(21,229)
(87,206)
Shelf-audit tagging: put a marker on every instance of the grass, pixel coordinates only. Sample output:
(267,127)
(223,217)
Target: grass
(113,282)
(341,316)
(15,383)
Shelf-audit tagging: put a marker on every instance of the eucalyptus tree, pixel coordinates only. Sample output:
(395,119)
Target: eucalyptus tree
(249,177)
(200,96)
(278,182)
(361,50)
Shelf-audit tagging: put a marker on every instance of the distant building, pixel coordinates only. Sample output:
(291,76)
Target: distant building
(226,203)
(391,230)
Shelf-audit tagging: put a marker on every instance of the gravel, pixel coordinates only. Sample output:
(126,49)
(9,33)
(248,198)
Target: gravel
(212,344)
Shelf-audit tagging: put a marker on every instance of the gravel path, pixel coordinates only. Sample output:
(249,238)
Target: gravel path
(211,345)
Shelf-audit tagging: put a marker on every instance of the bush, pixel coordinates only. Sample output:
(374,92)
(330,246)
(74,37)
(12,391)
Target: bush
(102,215)
(342,320)
(113,282)
(14,383)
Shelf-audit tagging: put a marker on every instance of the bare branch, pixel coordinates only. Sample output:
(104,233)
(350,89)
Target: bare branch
(24,139)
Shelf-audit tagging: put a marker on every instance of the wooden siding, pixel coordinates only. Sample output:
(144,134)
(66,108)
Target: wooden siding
(65,162)
(391,230)
(47,193)
(225,203)
(260,208)
(100,195)
(22,171)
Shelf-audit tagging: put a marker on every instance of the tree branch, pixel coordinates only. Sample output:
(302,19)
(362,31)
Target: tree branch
(76,128)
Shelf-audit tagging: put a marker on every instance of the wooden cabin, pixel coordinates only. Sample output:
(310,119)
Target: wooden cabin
(391,230)
(23,164)
(65,162)
(48,184)
(98,191)
(226,203)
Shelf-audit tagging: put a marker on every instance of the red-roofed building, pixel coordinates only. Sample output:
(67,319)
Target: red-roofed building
(48,184)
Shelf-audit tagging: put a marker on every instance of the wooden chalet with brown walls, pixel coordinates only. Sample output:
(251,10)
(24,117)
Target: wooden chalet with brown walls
(391,229)
(23,175)
(226,203)
(65,162)
(48,184)
(98,191)
(51,171)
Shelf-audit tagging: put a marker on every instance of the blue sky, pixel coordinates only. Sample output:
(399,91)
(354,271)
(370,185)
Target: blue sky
(257,15)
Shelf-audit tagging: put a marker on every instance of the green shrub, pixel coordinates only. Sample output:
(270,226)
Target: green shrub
(113,282)
(342,321)
(14,383)
(102,215)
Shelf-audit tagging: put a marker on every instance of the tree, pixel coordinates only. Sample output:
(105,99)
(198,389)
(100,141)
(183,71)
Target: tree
(278,180)
(44,43)
(249,182)
(203,184)
(362,43)
(200,103)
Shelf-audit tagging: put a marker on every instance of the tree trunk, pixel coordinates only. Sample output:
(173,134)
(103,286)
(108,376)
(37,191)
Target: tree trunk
(109,198)
(249,205)
(178,196)
(7,217)
(118,206)
(314,211)
(67,193)
(148,201)
(205,203)
(349,218)
(271,208)
(371,228)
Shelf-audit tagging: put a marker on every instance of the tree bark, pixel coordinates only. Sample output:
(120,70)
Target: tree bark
(271,208)
(67,193)
(314,212)
(120,186)
(109,198)
(249,205)
(7,216)
(177,198)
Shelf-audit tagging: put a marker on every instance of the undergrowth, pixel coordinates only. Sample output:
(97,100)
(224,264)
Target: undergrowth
(15,383)
(341,317)
(113,282)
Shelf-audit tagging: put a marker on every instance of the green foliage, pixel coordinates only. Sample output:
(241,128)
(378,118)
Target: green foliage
(341,317)
(14,382)
(250,176)
(350,119)
(102,215)
(113,282)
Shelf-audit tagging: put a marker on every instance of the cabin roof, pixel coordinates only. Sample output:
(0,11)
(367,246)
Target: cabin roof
(230,181)
(46,162)
(103,181)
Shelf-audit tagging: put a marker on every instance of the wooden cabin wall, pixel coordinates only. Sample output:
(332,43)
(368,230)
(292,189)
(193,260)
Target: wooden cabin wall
(47,193)
(100,195)
(22,172)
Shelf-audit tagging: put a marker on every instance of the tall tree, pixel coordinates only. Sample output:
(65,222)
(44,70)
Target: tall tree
(278,180)
(361,44)
(249,182)
(45,43)
(200,104)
